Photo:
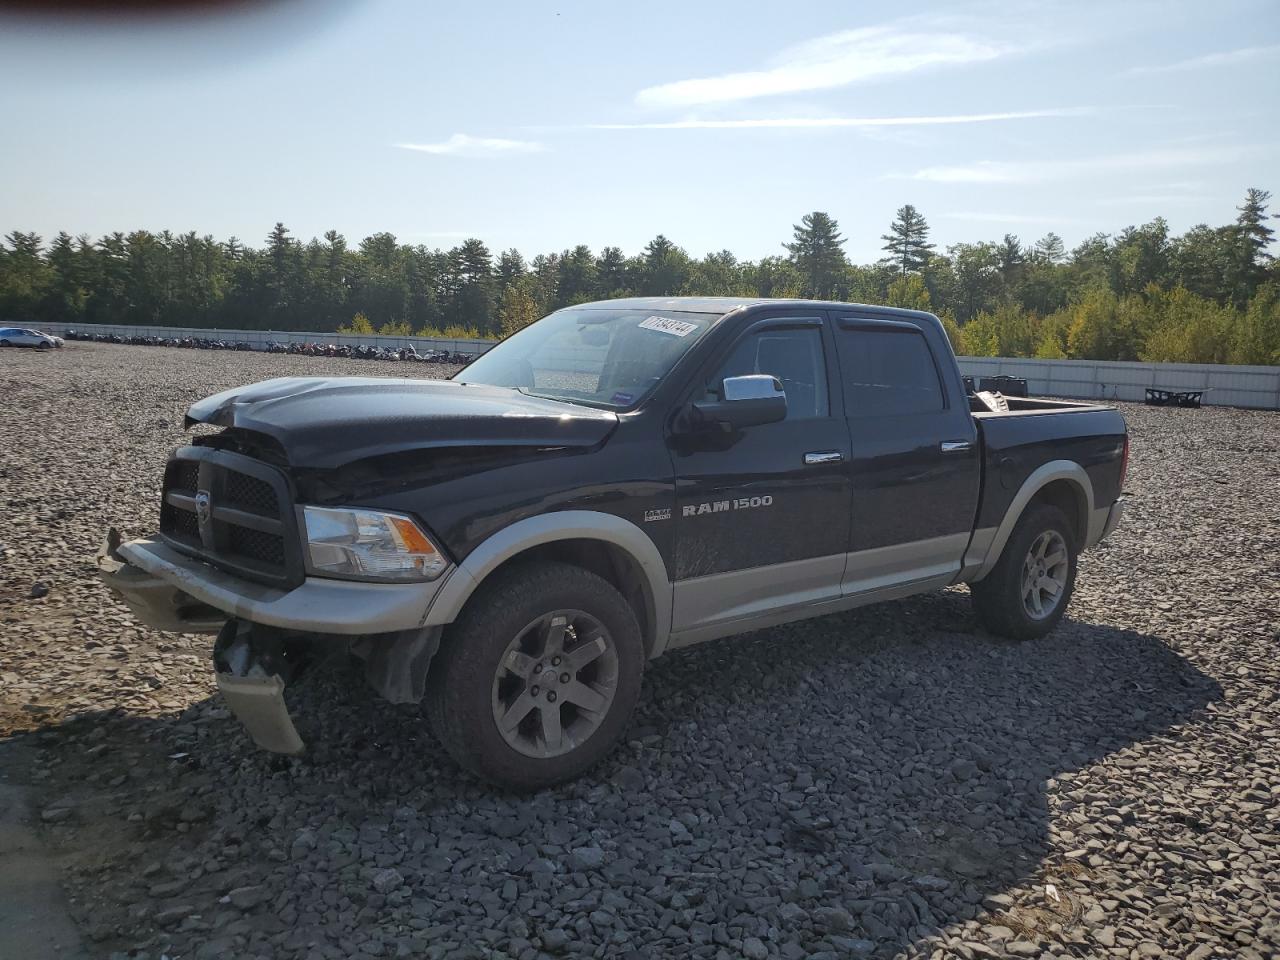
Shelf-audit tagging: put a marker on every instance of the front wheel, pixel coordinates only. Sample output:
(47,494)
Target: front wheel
(1027,592)
(537,679)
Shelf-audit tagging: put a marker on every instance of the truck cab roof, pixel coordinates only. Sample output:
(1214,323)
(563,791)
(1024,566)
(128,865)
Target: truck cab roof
(726,305)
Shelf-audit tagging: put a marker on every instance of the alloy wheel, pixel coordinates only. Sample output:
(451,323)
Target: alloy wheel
(1044,575)
(555,683)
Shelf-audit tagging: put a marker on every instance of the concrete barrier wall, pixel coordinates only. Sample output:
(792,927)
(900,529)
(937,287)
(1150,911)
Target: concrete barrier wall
(258,339)
(1225,385)
(1234,386)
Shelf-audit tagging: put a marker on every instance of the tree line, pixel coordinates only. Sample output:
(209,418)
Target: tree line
(1209,295)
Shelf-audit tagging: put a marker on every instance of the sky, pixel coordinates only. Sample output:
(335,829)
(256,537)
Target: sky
(718,124)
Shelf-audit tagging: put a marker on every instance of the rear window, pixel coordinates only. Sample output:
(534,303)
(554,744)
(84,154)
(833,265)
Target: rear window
(888,372)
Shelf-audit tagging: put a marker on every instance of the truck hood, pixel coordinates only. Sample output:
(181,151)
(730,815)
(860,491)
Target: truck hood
(325,422)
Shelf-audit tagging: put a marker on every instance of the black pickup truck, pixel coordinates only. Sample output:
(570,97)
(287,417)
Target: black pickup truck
(618,480)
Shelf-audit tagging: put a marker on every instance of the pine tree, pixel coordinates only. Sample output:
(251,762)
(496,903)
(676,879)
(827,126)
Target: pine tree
(1050,249)
(1252,236)
(611,272)
(816,253)
(907,241)
(577,281)
(665,267)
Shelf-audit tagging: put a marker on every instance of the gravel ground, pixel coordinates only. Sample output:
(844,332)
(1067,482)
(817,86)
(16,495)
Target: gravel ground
(887,782)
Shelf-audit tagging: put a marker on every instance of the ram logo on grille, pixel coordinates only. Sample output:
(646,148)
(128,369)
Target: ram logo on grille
(202,507)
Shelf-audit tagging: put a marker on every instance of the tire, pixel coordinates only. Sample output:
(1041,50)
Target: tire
(487,672)
(5,343)
(1002,603)
(44,346)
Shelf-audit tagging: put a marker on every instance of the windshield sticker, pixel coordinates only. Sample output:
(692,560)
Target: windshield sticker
(677,328)
(621,399)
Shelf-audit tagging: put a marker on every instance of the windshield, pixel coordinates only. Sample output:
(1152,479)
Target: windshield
(597,357)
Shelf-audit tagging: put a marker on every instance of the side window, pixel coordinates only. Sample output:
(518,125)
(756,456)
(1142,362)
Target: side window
(888,372)
(793,356)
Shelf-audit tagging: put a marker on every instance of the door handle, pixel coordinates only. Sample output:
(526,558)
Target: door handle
(823,456)
(956,446)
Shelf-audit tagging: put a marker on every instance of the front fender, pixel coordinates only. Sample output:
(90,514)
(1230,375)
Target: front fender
(549,528)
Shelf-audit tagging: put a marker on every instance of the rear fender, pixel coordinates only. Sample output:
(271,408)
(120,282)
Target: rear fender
(986,546)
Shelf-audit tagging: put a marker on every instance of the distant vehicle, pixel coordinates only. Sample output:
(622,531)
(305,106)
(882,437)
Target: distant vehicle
(24,337)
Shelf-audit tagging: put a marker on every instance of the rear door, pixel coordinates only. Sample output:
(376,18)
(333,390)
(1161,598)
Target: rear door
(915,467)
(762,513)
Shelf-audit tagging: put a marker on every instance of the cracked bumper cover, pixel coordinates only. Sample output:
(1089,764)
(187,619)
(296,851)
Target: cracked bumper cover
(258,703)
(171,591)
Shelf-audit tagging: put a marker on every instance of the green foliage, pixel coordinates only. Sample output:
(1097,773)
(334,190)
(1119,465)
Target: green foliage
(1256,336)
(359,325)
(1049,347)
(909,292)
(518,308)
(396,328)
(952,329)
(1186,328)
(1209,295)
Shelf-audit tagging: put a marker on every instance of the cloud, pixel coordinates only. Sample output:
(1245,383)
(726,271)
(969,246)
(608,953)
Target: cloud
(835,60)
(1220,59)
(775,123)
(999,171)
(1012,218)
(983,171)
(1153,199)
(465,145)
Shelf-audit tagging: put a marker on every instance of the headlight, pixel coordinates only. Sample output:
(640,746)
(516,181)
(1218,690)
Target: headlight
(369,544)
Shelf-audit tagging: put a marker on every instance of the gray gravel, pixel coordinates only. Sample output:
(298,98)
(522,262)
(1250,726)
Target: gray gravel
(886,782)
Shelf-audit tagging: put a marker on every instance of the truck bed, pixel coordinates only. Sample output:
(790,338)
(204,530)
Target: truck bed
(1025,405)
(1035,431)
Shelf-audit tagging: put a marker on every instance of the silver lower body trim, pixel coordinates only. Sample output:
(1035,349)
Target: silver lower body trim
(741,594)
(726,603)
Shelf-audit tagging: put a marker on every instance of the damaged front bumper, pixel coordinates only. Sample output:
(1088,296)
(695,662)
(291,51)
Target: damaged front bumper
(140,570)
(154,600)
(267,637)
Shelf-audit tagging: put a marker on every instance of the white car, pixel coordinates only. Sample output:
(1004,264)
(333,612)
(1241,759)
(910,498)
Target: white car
(24,337)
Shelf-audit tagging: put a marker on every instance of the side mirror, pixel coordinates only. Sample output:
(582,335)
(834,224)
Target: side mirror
(748,402)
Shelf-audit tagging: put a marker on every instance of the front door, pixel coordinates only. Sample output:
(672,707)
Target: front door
(762,513)
(915,469)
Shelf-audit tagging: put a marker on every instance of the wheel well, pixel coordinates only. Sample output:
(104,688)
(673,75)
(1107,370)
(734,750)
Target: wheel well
(605,560)
(1070,499)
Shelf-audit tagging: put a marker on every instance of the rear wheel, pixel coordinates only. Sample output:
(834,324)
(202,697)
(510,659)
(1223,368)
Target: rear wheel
(537,680)
(1028,590)
(5,343)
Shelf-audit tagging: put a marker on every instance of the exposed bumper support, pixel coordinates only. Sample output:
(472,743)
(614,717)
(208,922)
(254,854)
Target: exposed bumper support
(266,635)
